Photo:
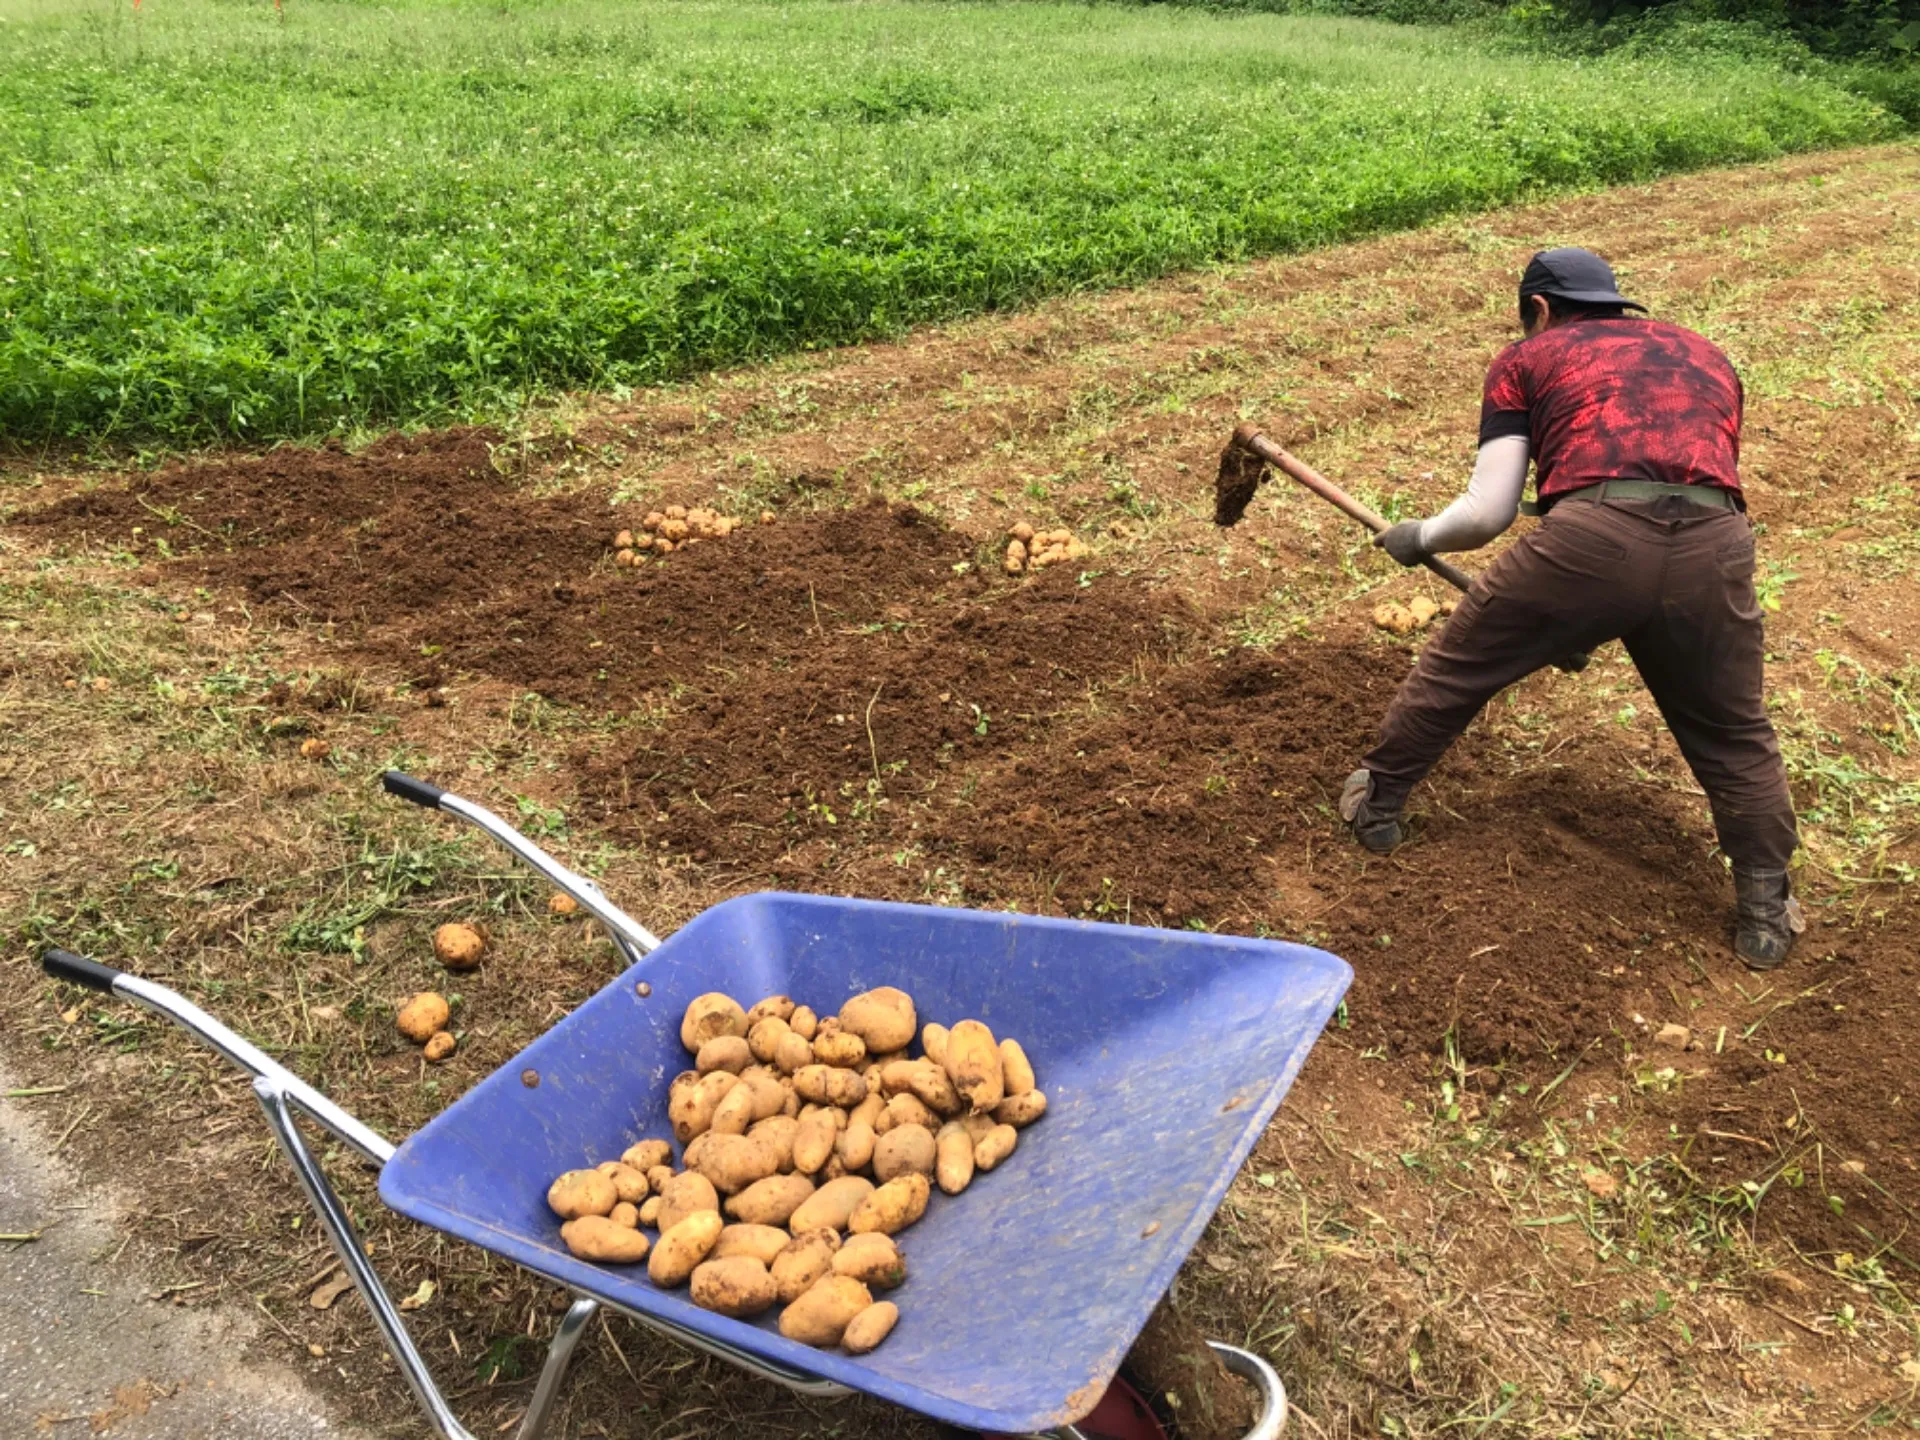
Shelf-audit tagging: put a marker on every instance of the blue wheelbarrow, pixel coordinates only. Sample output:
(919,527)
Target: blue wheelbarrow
(1163,1054)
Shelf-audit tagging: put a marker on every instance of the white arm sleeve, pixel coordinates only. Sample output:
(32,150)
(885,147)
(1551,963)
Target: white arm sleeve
(1490,504)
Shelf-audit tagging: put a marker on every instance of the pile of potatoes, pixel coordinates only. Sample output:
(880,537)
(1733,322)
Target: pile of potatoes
(664,531)
(810,1143)
(1417,614)
(1030,549)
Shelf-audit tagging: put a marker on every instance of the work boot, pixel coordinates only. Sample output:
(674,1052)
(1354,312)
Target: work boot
(1376,829)
(1767,917)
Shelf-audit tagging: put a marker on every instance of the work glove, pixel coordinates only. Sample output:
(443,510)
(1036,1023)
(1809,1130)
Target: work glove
(1402,542)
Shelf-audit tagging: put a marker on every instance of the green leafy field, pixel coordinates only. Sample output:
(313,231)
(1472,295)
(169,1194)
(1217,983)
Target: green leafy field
(221,219)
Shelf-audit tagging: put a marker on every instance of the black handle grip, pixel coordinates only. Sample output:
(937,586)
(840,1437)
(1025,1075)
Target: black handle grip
(1573,664)
(78,970)
(419,792)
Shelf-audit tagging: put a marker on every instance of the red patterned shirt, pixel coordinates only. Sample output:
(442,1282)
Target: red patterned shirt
(1618,399)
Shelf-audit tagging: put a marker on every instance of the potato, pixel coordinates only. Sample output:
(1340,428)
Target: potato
(439,1046)
(793,1054)
(953,1157)
(628,1183)
(933,1041)
(893,1207)
(821,1316)
(902,1149)
(1021,1111)
(650,1212)
(834,1169)
(772,1201)
(872,1260)
(1023,532)
(733,1162)
(868,1110)
(643,1155)
(930,1085)
(832,1205)
(762,1242)
(1016,1071)
(807,1257)
(691,1157)
(1388,615)
(594,1237)
(854,1146)
(886,1057)
(906,1110)
(684,1246)
(765,1037)
(658,1176)
(882,1017)
(804,1022)
(674,531)
(841,1049)
(734,1113)
(813,1141)
(769,1095)
(997,1146)
(778,1131)
(895,1077)
(1016,560)
(686,1194)
(581,1192)
(723,1052)
(872,1325)
(422,1017)
(973,1064)
(459,947)
(625,1213)
(979,1126)
(736,1285)
(826,1085)
(710,1015)
(690,1107)
(780,1007)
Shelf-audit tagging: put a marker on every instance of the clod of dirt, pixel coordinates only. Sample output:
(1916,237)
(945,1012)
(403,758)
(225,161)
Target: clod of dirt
(1674,1037)
(1176,1367)
(1240,474)
(315,749)
(1600,1185)
(459,947)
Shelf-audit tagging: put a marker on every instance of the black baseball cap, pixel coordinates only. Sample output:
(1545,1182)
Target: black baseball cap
(1574,274)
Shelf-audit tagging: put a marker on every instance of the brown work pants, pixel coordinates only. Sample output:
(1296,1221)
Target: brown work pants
(1671,580)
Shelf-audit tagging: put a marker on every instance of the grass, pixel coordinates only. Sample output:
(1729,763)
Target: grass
(237,220)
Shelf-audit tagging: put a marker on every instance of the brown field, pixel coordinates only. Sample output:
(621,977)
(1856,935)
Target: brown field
(1492,1205)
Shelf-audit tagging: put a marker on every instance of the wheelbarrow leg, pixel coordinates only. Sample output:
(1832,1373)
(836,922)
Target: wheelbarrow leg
(559,1355)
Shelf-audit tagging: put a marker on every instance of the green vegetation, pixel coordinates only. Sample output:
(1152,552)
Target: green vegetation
(231,219)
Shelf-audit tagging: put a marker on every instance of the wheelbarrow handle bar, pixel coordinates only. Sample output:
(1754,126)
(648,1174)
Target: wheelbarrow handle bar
(418,792)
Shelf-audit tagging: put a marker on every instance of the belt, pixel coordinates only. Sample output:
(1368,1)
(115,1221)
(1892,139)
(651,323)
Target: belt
(1707,497)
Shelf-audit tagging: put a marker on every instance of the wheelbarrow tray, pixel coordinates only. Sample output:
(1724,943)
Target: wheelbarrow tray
(1163,1055)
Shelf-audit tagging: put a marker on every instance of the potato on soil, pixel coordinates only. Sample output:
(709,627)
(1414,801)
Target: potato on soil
(643,1155)
(953,1157)
(933,1042)
(867,1329)
(762,1242)
(828,1085)
(686,1194)
(841,1049)
(804,1022)
(582,1192)
(871,1259)
(883,1017)
(893,1207)
(561,905)
(804,1260)
(710,1015)
(780,1007)
(821,1316)
(973,1064)
(723,1052)
(733,1162)
(459,947)
(832,1205)
(736,1285)
(813,1141)
(1016,1071)
(596,1238)
(650,1212)
(902,1150)
(1391,616)
(772,1201)
(629,1184)
(683,1246)
(422,1017)
(996,1146)
(624,540)
(1021,1111)
(778,1131)
(652,522)
(1422,609)
(1023,532)
(854,1145)
(625,1213)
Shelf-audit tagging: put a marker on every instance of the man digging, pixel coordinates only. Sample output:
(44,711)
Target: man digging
(1633,429)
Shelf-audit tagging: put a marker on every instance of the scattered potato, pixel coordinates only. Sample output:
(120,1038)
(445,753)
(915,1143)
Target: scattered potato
(953,1157)
(422,1017)
(872,1259)
(772,1201)
(582,1192)
(710,1015)
(994,1147)
(1423,610)
(762,1242)
(684,1246)
(872,1325)
(652,522)
(736,1285)
(766,517)
(1022,532)
(625,559)
(561,905)
(1021,1111)
(687,1193)
(973,1064)
(894,1206)
(882,1017)
(594,1237)
(807,1257)
(831,1207)
(314,748)
(624,540)
(820,1317)
(662,545)
(902,1150)
(459,947)
(1395,617)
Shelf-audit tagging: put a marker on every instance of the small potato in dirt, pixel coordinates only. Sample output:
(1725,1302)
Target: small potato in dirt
(953,1157)
(628,1183)
(738,1285)
(780,1007)
(1394,617)
(996,1146)
(804,1022)
(643,1155)
(423,1017)
(883,1017)
(762,1242)
(813,1141)
(772,1201)
(459,947)
(684,1246)
(723,1052)
(1016,1071)
(902,1150)
(596,1238)
(832,1205)
(867,1329)
(893,1207)
(1021,1111)
(710,1015)
(439,1046)
(872,1260)
(686,1194)
(733,1162)
(802,1262)
(821,1316)
(582,1192)
(973,1064)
